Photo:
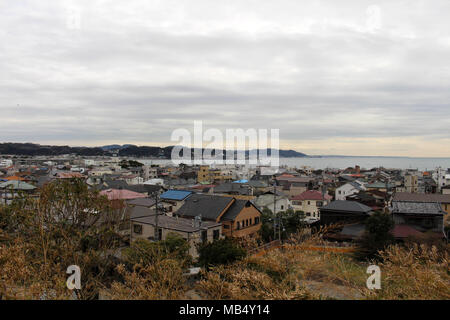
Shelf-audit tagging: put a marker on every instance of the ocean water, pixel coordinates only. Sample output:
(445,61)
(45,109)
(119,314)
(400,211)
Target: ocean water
(421,164)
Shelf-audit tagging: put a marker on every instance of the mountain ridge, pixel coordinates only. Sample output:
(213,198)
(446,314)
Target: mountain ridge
(130,150)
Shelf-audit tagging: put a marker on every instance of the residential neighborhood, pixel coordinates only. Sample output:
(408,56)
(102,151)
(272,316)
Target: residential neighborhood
(220,196)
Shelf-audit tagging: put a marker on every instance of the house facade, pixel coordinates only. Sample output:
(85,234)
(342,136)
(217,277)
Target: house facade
(418,216)
(348,189)
(310,203)
(238,217)
(194,231)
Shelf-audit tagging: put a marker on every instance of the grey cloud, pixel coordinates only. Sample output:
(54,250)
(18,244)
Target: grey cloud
(122,75)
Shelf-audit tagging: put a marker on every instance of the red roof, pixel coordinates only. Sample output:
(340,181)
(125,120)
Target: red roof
(121,194)
(356,175)
(404,231)
(311,195)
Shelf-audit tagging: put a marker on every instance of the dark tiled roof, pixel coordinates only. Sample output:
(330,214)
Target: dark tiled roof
(143,202)
(115,184)
(233,188)
(173,223)
(408,207)
(236,208)
(139,211)
(363,196)
(208,206)
(346,206)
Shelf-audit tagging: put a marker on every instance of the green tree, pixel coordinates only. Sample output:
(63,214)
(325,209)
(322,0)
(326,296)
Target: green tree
(377,236)
(291,222)
(67,224)
(144,252)
(125,164)
(222,251)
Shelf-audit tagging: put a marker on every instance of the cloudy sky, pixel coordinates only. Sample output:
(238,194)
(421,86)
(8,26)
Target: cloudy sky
(351,77)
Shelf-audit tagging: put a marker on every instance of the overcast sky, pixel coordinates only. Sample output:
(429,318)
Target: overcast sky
(336,77)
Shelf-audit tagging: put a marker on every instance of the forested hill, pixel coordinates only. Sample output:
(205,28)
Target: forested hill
(128,150)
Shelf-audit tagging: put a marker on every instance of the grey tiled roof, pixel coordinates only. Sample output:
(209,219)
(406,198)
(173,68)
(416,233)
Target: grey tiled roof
(346,206)
(233,187)
(144,202)
(139,211)
(408,207)
(174,223)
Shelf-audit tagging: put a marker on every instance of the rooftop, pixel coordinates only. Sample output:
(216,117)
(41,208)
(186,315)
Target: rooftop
(178,195)
(423,208)
(422,197)
(312,195)
(121,194)
(346,206)
(174,223)
(208,206)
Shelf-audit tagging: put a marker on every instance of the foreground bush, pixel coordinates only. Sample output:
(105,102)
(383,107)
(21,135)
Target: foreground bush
(414,272)
(222,251)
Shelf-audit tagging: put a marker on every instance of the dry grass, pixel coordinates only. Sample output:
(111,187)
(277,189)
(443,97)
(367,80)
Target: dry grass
(162,280)
(414,272)
(407,272)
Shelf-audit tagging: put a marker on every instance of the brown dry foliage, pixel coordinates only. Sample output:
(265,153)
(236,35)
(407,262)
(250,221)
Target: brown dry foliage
(408,272)
(414,272)
(161,280)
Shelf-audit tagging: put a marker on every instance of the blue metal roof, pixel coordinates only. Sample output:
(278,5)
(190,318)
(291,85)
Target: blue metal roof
(175,195)
(241,181)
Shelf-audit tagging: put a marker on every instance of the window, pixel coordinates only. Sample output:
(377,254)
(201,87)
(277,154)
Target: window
(137,228)
(226,226)
(308,214)
(204,236)
(216,234)
(319,203)
(282,207)
(246,223)
(309,202)
(238,225)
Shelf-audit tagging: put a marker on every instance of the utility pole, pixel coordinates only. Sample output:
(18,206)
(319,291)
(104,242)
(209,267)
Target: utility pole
(156,217)
(274,210)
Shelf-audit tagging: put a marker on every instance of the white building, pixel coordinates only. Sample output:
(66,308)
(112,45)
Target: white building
(155,182)
(282,203)
(6,163)
(349,189)
(442,178)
